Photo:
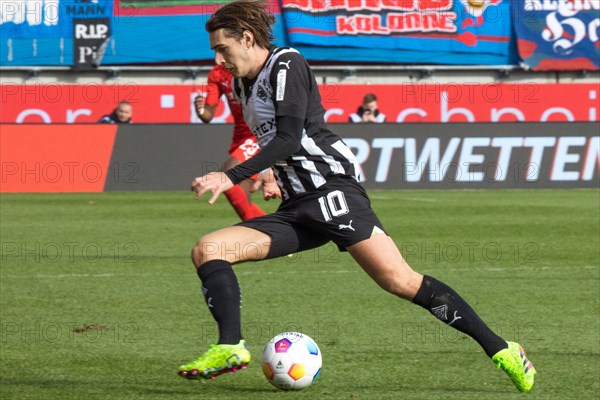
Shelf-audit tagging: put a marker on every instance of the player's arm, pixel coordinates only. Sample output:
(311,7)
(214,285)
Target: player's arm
(204,111)
(291,81)
(286,142)
(207,105)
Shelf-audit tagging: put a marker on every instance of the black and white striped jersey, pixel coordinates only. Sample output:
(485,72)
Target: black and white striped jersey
(286,86)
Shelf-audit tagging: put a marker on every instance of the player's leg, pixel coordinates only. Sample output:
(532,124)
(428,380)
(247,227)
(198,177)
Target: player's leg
(213,256)
(233,244)
(255,210)
(382,261)
(346,215)
(239,196)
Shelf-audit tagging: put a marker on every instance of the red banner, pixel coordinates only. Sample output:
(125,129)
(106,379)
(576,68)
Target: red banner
(55,158)
(444,102)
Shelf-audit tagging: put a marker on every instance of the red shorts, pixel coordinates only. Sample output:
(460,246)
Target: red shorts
(244,151)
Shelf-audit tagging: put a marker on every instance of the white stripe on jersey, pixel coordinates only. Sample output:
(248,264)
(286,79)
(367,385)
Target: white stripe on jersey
(284,192)
(311,147)
(292,177)
(346,152)
(317,179)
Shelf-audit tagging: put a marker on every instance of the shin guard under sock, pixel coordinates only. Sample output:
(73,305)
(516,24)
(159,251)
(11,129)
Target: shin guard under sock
(222,294)
(447,305)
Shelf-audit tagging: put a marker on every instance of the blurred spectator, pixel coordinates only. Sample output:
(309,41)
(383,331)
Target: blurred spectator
(368,111)
(120,115)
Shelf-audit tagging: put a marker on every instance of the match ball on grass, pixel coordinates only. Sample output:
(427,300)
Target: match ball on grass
(291,361)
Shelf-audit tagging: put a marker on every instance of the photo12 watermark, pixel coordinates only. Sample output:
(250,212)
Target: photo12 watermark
(68,172)
(67,331)
(263,331)
(470,252)
(437,332)
(69,252)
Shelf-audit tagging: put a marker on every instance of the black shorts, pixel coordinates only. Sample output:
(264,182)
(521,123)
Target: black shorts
(339,211)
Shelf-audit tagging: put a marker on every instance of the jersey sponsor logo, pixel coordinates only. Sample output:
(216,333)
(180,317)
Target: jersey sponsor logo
(264,132)
(281,78)
(264,128)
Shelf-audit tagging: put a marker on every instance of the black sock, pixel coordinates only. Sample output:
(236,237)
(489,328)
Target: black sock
(222,294)
(449,307)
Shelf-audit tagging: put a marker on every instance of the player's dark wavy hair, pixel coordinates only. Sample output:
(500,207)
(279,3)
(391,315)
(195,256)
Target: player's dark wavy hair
(244,15)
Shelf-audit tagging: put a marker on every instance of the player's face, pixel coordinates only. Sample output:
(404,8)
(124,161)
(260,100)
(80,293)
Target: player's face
(231,53)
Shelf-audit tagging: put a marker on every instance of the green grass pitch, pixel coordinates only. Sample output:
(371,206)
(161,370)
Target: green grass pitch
(100,301)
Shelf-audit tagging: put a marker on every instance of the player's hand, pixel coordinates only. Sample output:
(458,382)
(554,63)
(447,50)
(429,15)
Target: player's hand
(266,179)
(199,104)
(215,182)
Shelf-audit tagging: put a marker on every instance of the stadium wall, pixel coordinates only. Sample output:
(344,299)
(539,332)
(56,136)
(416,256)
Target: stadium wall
(416,102)
(342,74)
(95,158)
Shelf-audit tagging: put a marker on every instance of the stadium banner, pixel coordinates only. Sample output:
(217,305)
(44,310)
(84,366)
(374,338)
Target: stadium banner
(558,35)
(418,156)
(449,102)
(450,26)
(55,158)
(75,158)
(166,31)
(437,32)
(179,7)
(41,32)
(90,38)
(477,156)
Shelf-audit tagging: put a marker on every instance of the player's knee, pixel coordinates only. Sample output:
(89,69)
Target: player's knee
(196,255)
(204,250)
(391,283)
(401,285)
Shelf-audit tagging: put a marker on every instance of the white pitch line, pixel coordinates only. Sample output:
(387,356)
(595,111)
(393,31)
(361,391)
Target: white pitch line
(300,271)
(425,199)
(62,276)
(445,268)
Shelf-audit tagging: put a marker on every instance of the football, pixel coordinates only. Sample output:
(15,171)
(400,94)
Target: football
(291,361)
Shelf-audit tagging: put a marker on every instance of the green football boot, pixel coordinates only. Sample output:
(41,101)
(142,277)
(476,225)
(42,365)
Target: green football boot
(515,363)
(219,359)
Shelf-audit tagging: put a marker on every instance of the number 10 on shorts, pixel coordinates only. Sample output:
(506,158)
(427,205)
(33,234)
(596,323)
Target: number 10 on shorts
(333,205)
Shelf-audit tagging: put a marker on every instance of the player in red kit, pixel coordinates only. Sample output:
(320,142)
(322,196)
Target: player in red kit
(243,144)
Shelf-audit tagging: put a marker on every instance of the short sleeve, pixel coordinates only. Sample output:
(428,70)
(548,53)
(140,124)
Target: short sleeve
(214,88)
